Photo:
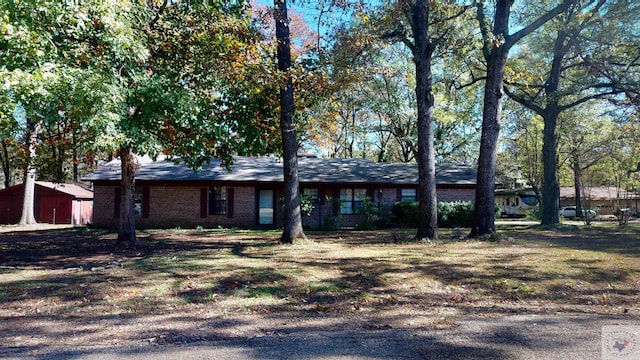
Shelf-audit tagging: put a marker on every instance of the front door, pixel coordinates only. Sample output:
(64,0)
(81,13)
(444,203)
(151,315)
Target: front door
(265,207)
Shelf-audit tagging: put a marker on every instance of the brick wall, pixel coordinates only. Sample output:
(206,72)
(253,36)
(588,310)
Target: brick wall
(103,207)
(176,206)
(179,206)
(448,195)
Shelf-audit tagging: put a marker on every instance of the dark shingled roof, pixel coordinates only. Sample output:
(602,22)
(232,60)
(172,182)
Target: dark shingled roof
(269,169)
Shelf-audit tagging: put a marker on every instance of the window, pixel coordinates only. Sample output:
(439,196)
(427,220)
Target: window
(408,195)
(351,200)
(218,200)
(530,200)
(312,194)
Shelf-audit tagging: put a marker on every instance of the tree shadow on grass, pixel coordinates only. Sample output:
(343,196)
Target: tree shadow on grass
(207,286)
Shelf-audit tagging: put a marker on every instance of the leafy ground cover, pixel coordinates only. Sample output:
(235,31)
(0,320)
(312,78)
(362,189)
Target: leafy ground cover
(71,287)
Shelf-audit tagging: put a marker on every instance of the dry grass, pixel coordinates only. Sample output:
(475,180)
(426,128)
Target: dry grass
(71,287)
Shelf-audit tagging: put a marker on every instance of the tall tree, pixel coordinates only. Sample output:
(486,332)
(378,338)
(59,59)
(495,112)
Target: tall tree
(168,69)
(423,27)
(431,26)
(581,143)
(292,214)
(567,82)
(497,42)
(418,15)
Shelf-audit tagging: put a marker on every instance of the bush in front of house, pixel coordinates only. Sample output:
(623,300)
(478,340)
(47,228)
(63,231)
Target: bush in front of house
(375,216)
(455,214)
(450,214)
(405,214)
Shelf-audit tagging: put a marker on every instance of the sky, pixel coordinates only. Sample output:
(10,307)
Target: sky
(310,11)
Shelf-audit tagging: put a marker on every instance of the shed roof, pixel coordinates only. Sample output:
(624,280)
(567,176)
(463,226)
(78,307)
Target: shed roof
(76,191)
(311,170)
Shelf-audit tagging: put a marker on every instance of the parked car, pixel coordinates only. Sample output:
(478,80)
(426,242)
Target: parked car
(569,212)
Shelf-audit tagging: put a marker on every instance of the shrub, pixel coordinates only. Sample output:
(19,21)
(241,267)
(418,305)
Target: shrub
(331,222)
(455,214)
(405,214)
(371,212)
(450,214)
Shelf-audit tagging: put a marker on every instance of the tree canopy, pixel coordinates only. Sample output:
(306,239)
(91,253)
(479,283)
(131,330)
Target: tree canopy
(393,81)
(141,78)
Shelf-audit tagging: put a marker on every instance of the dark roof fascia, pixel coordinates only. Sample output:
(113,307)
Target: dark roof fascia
(272,183)
(105,182)
(196,183)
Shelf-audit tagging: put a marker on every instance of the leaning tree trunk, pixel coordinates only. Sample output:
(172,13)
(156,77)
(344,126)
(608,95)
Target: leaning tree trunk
(28,213)
(427,196)
(292,215)
(127,221)
(496,56)
(484,211)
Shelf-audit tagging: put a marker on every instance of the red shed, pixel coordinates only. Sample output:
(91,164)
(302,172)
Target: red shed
(54,204)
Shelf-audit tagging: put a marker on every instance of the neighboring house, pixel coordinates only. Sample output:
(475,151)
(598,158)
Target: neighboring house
(54,204)
(606,199)
(169,194)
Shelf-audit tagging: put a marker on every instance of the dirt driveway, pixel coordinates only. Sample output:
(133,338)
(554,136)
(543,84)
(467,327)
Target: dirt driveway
(67,294)
(560,336)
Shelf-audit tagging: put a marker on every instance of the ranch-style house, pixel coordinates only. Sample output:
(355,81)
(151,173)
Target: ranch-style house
(169,194)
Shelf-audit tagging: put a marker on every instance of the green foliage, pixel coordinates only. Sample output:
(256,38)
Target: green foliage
(306,205)
(455,214)
(372,215)
(405,214)
(158,78)
(450,214)
(331,222)
(534,214)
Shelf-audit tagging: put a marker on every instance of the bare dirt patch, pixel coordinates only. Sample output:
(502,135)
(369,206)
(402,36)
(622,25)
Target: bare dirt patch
(70,287)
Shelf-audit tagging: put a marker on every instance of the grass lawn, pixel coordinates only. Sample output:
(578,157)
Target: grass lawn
(71,287)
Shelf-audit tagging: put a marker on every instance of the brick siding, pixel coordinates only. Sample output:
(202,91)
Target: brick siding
(179,206)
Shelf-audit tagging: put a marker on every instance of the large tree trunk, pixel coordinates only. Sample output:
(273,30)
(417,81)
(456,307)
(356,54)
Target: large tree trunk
(127,221)
(484,211)
(422,52)
(28,212)
(551,188)
(292,215)
(496,56)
